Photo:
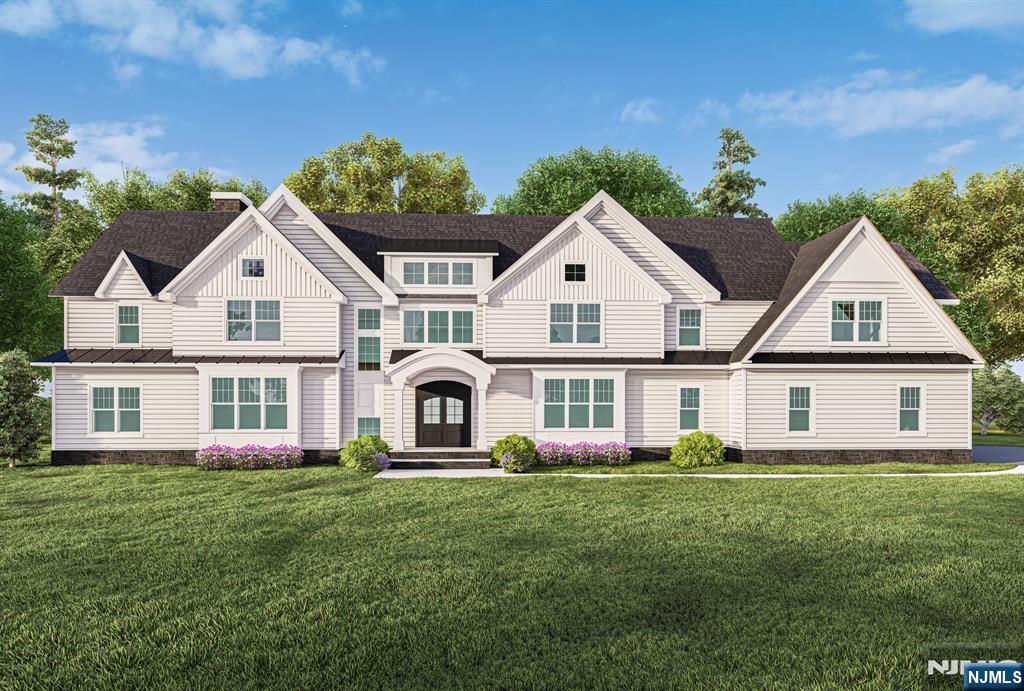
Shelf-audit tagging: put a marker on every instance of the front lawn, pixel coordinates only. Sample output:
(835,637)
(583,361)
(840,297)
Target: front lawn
(998,439)
(659,467)
(134,576)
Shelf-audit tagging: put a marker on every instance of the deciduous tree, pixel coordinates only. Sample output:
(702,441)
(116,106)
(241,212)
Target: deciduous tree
(731,189)
(19,431)
(28,318)
(998,396)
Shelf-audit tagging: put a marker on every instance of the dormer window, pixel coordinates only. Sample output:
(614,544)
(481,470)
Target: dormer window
(412,273)
(252,267)
(462,273)
(437,273)
(575,273)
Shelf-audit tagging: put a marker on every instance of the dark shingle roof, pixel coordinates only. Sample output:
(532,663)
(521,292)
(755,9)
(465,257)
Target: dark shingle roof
(452,245)
(929,280)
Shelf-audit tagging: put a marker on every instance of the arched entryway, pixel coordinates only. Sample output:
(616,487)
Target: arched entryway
(443,414)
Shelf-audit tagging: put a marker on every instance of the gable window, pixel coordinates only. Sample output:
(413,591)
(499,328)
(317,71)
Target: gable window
(437,326)
(575,273)
(116,409)
(252,267)
(590,403)
(857,321)
(575,323)
(690,326)
(261,403)
(412,273)
(437,273)
(368,425)
(910,409)
(462,273)
(799,409)
(250,320)
(689,408)
(128,324)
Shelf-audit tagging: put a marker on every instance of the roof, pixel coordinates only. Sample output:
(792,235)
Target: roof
(672,357)
(832,358)
(930,281)
(448,246)
(164,356)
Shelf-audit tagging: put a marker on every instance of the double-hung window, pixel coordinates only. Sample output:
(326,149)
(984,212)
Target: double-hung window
(800,401)
(857,321)
(128,324)
(579,403)
(368,339)
(690,326)
(437,326)
(116,409)
(689,408)
(574,323)
(249,403)
(911,399)
(254,320)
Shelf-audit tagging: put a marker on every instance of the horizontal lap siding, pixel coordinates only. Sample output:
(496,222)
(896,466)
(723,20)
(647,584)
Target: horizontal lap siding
(319,408)
(309,327)
(736,397)
(91,323)
(510,404)
(857,409)
(726,323)
(170,407)
(652,405)
(126,284)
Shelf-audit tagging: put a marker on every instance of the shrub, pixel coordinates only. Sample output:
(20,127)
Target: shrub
(615,453)
(584,453)
(522,449)
(698,449)
(514,464)
(383,461)
(361,452)
(248,457)
(552,453)
(19,419)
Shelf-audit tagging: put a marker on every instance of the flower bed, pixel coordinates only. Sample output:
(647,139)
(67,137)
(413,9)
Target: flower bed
(583,453)
(248,457)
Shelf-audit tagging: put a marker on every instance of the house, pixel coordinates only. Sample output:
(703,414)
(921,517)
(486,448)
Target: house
(278,325)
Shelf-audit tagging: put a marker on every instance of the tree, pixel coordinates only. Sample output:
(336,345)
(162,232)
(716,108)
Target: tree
(76,230)
(182,191)
(375,175)
(559,185)
(29,320)
(998,395)
(48,142)
(19,431)
(730,191)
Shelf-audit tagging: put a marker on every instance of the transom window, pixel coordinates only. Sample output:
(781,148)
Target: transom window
(116,409)
(368,425)
(857,321)
(575,273)
(368,355)
(437,326)
(438,273)
(689,326)
(590,403)
(689,408)
(575,323)
(252,267)
(127,323)
(258,320)
(249,403)
(799,409)
(910,409)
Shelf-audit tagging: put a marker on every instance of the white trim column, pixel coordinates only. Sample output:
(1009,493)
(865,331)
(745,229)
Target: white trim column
(481,416)
(399,393)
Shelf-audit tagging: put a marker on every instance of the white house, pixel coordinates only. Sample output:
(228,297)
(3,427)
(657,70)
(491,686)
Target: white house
(275,324)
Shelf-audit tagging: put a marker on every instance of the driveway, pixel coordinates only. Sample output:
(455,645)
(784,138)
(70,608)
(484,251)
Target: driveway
(999,454)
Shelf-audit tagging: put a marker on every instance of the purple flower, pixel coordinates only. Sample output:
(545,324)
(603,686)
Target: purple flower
(248,457)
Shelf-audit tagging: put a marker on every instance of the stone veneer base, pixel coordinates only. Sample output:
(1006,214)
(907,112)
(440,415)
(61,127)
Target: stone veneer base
(161,456)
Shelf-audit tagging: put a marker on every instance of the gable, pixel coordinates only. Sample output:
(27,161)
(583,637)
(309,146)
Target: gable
(122,281)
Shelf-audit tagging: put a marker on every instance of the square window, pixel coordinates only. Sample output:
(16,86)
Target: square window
(437,327)
(412,273)
(368,355)
(412,326)
(462,327)
(369,319)
(437,273)
(462,273)
(554,416)
(252,268)
(575,273)
(368,425)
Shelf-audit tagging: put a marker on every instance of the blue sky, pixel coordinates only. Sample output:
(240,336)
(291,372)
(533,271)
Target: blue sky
(835,95)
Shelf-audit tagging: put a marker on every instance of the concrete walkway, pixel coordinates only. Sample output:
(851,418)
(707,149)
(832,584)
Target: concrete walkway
(498,472)
(999,454)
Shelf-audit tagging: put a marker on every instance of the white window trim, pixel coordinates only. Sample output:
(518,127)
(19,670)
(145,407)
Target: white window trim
(117,433)
(703,320)
(586,272)
(812,432)
(700,409)
(241,272)
(427,261)
(380,425)
(883,341)
(922,415)
(425,343)
(423,263)
(235,429)
(117,325)
(379,333)
(252,342)
(617,396)
(575,323)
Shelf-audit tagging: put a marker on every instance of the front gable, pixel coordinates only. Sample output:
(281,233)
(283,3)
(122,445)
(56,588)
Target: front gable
(122,281)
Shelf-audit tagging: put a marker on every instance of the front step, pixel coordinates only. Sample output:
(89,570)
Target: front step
(431,454)
(440,463)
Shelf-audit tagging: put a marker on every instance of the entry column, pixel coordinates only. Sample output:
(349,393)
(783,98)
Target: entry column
(481,413)
(399,389)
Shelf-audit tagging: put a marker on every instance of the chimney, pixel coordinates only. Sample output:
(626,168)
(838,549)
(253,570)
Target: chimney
(232,202)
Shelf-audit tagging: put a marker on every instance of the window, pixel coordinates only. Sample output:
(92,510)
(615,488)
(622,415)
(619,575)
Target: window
(117,409)
(412,273)
(462,326)
(437,273)
(590,403)
(368,425)
(910,409)
(252,268)
(412,326)
(462,273)
(857,320)
(689,408)
(254,320)
(799,409)
(432,411)
(260,403)
(437,327)
(575,273)
(368,339)
(453,411)
(127,324)
(586,328)
(689,326)
(368,319)
(441,326)
(369,353)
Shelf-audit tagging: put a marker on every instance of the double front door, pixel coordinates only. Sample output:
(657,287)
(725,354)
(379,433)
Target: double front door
(443,414)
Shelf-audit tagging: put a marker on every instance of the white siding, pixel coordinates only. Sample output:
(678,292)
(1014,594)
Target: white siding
(509,404)
(309,327)
(727,322)
(91,322)
(737,394)
(319,408)
(652,404)
(858,409)
(170,404)
(394,274)
(126,284)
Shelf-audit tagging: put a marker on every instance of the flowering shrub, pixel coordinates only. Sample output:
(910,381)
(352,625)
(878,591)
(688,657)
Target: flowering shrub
(615,453)
(553,453)
(383,461)
(248,457)
(513,463)
(583,453)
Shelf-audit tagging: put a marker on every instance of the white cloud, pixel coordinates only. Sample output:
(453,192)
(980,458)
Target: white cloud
(28,17)
(879,100)
(863,56)
(951,151)
(432,97)
(6,151)
(946,16)
(125,72)
(213,34)
(351,8)
(643,111)
(708,109)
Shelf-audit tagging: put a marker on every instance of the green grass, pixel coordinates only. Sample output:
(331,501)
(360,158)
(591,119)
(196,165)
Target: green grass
(655,467)
(133,576)
(995,437)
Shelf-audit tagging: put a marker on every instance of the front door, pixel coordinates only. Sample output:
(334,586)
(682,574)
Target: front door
(443,414)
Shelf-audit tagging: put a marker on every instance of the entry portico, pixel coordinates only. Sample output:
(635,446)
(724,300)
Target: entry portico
(437,365)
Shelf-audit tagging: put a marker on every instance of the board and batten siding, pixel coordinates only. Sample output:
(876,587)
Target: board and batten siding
(319,412)
(652,405)
(91,322)
(859,409)
(170,407)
